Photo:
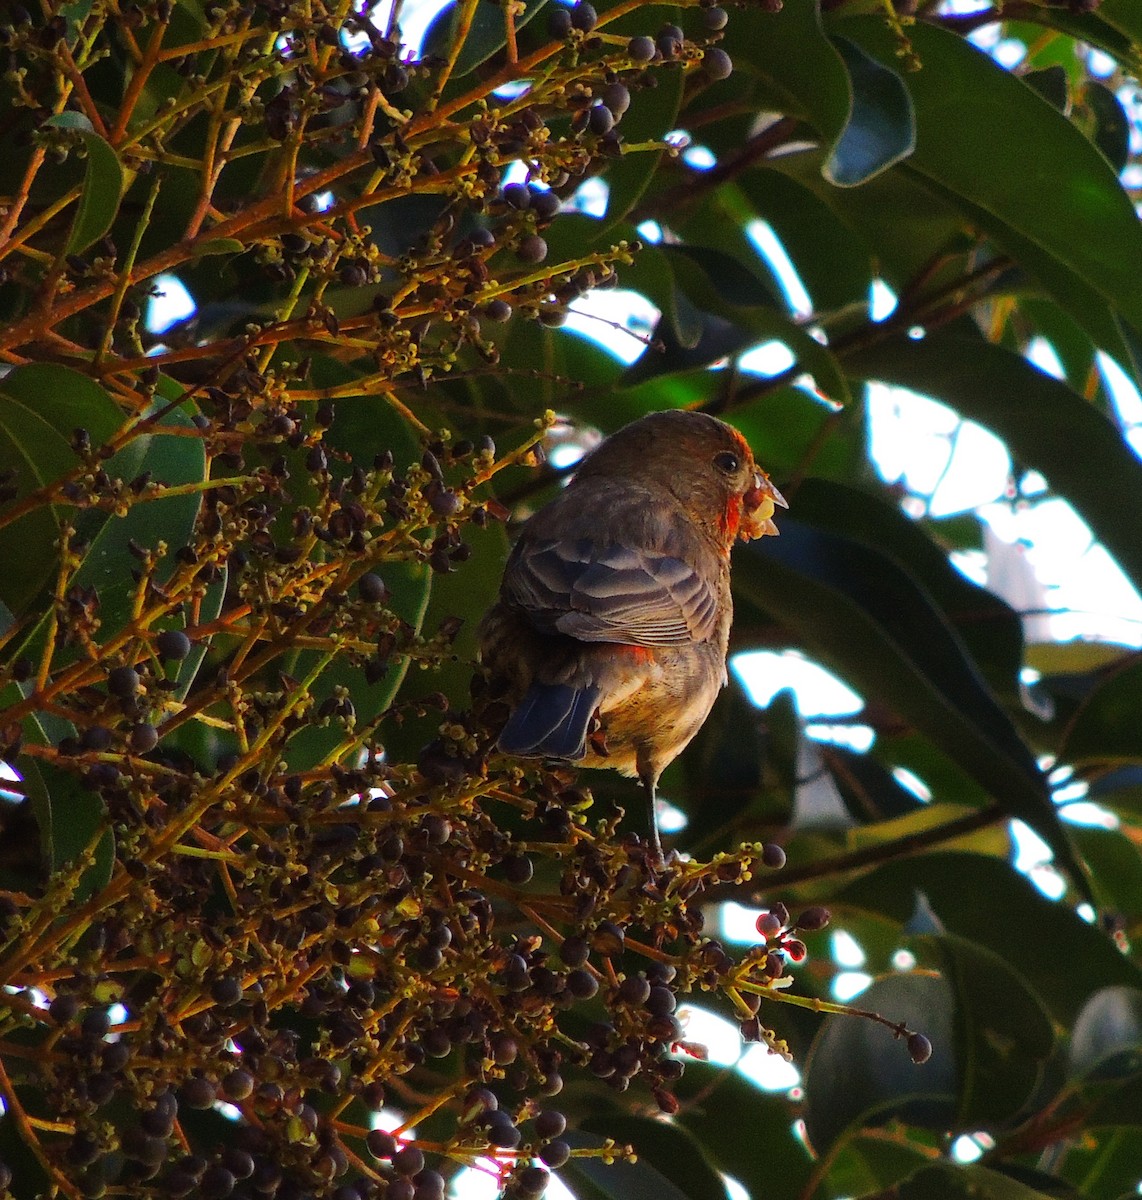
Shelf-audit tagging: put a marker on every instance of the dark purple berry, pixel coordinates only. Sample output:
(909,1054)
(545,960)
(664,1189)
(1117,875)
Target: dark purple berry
(532,249)
(172,644)
(641,48)
(558,23)
(584,17)
(717,63)
(919,1048)
(516,195)
(550,1123)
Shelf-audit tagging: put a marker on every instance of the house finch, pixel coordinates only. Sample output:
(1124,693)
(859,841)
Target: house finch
(613,619)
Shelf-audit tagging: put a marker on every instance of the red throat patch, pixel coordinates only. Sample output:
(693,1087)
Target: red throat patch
(729,521)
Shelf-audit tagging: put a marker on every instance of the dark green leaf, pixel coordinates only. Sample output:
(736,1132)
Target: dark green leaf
(41,406)
(967,1181)
(860,613)
(868,789)
(171,460)
(102,184)
(747,1133)
(982,899)
(991,629)
(723,772)
(1035,171)
(1003,1033)
(859,1073)
(881,129)
(730,294)
(70,819)
(666,1151)
(1111,133)
(486,35)
(1051,83)
(833,264)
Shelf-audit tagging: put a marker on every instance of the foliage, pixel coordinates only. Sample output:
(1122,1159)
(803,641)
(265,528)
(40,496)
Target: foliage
(263,873)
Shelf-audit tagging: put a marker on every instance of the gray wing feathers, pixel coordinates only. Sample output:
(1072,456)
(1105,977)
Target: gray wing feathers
(610,593)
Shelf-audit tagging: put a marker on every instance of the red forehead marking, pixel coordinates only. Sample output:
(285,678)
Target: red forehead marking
(742,444)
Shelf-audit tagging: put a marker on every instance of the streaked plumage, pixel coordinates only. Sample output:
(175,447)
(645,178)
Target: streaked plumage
(613,620)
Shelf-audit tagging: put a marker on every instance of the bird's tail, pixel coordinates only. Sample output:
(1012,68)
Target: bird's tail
(550,721)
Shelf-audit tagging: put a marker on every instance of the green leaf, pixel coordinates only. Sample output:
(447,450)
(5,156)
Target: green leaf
(871,1163)
(1031,933)
(1046,426)
(881,129)
(665,1151)
(171,460)
(1111,132)
(1003,1034)
(991,629)
(221,245)
(747,1133)
(41,406)
(731,293)
(860,1074)
(969,1181)
(102,184)
(486,35)
(1034,171)
(832,262)
(799,69)
(69,818)
(1051,83)
(860,613)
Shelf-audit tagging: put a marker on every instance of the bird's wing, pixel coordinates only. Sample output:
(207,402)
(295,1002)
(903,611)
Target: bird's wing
(610,593)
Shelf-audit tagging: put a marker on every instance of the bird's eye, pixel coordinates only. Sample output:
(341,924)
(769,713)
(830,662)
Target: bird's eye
(726,461)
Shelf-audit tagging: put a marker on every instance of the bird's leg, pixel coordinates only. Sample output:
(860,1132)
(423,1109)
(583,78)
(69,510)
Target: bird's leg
(649,782)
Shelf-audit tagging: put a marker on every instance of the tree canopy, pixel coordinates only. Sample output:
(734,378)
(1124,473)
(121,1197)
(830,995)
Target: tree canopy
(276,919)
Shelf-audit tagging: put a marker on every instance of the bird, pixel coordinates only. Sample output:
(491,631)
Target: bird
(611,629)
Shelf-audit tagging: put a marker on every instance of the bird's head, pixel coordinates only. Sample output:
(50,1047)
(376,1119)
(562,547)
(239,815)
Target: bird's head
(704,462)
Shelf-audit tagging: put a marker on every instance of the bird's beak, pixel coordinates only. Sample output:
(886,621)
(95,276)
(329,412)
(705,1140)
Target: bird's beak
(758,506)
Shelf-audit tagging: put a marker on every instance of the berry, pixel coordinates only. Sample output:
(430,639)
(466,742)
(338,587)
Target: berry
(371,588)
(919,1048)
(715,18)
(616,96)
(173,645)
(717,63)
(143,738)
(584,17)
(813,919)
(641,48)
(409,1160)
(550,1123)
(516,195)
(773,856)
(555,1153)
(123,682)
(601,120)
(558,23)
(380,1143)
(532,249)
